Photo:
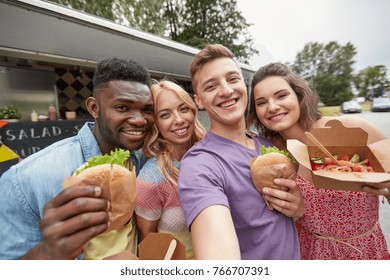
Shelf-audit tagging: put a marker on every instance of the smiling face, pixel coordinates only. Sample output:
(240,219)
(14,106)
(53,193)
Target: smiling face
(277,105)
(175,120)
(222,92)
(123,113)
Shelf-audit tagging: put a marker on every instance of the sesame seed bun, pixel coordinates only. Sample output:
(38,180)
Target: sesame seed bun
(270,159)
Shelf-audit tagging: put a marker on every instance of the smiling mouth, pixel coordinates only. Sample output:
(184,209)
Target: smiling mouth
(133,132)
(228,103)
(180,131)
(277,117)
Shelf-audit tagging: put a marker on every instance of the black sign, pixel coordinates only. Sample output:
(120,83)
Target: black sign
(26,138)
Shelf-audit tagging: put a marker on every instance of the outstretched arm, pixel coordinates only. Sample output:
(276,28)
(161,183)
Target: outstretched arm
(145,226)
(382,188)
(213,235)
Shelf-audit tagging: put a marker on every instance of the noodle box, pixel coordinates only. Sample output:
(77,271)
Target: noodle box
(155,246)
(342,140)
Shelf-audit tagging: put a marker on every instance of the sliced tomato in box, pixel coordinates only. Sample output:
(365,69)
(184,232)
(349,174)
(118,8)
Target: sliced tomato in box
(344,141)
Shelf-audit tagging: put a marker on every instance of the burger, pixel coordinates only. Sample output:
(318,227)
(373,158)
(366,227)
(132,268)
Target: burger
(109,166)
(271,158)
(115,174)
(272,163)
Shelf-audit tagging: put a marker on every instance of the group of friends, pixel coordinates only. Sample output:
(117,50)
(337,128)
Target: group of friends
(192,183)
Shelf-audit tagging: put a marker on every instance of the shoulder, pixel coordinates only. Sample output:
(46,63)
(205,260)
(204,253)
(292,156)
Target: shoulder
(204,153)
(202,148)
(151,172)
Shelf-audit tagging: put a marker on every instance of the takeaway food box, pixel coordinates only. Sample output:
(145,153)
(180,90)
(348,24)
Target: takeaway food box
(156,246)
(344,140)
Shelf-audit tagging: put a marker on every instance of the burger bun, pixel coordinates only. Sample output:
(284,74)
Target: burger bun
(104,171)
(270,159)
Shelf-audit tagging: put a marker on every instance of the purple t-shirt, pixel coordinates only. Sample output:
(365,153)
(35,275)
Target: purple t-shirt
(216,171)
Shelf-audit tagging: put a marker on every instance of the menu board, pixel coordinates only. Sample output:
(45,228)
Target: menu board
(27,138)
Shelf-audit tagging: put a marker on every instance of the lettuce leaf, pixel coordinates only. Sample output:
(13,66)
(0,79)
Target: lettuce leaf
(118,156)
(266,150)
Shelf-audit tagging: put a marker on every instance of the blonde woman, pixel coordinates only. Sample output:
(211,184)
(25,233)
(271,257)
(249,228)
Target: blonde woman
(176,129)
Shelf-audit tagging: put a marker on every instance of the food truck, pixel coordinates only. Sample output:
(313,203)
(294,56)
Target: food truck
(48,54)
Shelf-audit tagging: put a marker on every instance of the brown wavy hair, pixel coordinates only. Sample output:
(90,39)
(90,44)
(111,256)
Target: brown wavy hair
(156,145)
(307,97)
(207,54)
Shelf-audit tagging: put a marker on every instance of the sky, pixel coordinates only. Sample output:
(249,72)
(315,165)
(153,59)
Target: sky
(281,28)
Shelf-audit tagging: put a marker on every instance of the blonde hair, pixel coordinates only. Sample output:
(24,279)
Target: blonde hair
(156,145)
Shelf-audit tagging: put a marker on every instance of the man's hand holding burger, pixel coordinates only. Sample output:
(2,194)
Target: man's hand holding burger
(273,175)
(98,198)
(69,221)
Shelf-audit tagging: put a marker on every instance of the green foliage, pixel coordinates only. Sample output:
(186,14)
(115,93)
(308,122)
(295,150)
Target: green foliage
(102,8)
(329,68)
(145,15)
(266,150)
(118,156)
(372,81)
(192,22)
(216,21)
(9,112)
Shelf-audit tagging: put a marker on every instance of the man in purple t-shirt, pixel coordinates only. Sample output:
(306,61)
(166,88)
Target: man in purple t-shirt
(227,217)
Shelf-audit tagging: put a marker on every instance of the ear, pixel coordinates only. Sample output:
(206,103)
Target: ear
(92,106)
(198,102)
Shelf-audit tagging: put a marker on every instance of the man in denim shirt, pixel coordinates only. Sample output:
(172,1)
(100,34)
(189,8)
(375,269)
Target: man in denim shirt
(38,219)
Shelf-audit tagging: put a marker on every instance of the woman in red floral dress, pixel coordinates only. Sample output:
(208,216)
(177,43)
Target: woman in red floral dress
(336,224)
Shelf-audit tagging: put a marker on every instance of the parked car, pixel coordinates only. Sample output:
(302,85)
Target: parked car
(380,104)
(351,106)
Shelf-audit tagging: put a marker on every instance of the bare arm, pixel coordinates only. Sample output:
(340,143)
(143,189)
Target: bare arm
(146,226)
(213,235)
(382,188)
(374,135)
(69,221)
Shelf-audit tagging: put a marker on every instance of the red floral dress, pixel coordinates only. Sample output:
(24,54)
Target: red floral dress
(340,225)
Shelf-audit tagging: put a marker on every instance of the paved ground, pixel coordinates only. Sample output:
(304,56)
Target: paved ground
(381,121)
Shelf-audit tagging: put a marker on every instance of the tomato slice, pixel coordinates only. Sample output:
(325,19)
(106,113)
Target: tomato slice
(346,166)
(315,166)
(356,168)
(328,161)
(344,157)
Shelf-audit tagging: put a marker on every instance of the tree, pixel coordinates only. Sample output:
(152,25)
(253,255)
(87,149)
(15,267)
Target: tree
(102,8)
(329,68)
(192,22)
(372,81)
(216,21)
(145,15)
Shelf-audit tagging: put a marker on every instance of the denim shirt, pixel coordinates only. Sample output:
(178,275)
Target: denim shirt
(27,186)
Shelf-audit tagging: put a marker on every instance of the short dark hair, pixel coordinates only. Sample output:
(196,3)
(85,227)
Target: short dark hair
(120,69)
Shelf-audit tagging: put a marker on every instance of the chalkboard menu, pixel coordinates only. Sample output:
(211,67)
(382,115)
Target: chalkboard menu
(26,138)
